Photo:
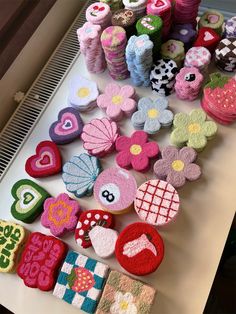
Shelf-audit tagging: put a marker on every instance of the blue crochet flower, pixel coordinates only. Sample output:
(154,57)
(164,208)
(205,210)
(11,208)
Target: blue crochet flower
(138,46)
(152,115)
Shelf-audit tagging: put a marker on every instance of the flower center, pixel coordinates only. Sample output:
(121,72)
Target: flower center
(194,128)
(177,165)
(135,149)
(117,99)
(83,92)
(153,113)
(124,305)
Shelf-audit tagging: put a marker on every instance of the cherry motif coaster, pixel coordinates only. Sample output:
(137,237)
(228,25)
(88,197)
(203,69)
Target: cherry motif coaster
(156,202)
(60,214)
(12,237)
(115,190)
(207,38)
(46,161)
(41,260)
(87,221)
(139,249)
(67,128)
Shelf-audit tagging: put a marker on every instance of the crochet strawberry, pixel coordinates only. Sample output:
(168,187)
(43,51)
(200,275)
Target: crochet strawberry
(80,279)
(219,99)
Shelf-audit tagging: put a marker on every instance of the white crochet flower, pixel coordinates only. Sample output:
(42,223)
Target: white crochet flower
(123,304)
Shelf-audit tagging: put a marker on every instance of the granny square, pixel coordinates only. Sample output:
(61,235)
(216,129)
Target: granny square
(80,281)
(123,294)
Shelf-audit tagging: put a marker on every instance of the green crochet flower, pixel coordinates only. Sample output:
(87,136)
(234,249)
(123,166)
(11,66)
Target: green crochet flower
(192,130)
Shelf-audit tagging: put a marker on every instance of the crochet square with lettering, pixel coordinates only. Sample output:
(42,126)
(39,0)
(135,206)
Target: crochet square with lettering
(80,281)
(123,294)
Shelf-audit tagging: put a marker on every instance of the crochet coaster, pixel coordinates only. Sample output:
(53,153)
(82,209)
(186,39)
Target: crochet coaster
(115,190)
(126,19)
(230,27)
(207,38)
(40,261)
(99,136)
(67,128)
(99,13)
(213,19)
(12,237)
(225,55)
(87,221)
(139,249)
(28,200)
(123,294)
(80,281)
(60,214)
(157,202)
(80,173)
(46,161)
(173,49)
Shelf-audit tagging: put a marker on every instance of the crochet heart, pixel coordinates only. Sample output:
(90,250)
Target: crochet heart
(208,36)
(46,161)
(213,18)
(160,3)
(67,125)
(27,198)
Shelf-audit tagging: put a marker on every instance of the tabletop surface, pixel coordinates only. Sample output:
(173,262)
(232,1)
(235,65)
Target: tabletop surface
(193,243)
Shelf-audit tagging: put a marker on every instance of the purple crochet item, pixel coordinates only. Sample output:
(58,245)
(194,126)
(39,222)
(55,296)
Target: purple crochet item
(183,32)
(176,166)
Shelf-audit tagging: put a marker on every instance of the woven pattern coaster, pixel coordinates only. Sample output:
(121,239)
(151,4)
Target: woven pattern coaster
(125,295)
(80,281)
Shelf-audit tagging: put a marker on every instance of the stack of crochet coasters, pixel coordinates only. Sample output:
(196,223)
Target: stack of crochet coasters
(185,33)
(114,4)
(219,98)
(99,13)
(225,55)
(138,6)
(230,27)
(126,19)
(198,57)
(162,77)
(114,41)
(186,11)
(161,8)
(151,25)
(139,59)
(207,38)
(90,45)
(213,19)
(173,49)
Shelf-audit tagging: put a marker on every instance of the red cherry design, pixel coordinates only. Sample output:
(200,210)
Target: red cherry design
(95,7)
(101,9)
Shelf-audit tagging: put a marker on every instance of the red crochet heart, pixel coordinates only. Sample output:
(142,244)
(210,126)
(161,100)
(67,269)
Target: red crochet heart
(46,161)
(207,38)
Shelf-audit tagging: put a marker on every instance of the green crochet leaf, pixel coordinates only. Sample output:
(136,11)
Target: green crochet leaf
(217,80)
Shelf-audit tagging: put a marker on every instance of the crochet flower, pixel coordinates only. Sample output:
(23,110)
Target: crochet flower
(192,130)
(135,151)
(138,45)
(60,214)
(123,304)
(177,165)
(88,31)
(152,115)
(117,101)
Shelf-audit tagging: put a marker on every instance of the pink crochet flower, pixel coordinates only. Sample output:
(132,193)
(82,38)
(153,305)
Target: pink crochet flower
(135,151)
(60,214)
(117,101)
(88,31)
(177,165)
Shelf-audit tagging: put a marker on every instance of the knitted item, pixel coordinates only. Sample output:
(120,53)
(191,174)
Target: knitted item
(12,238)
(137,6)
(173,49)
(186,11)
(125,18)
(99,13)
(230,27)
(123,294)
(225,55)
(213,19)
(198,57)
(139,249)
(80,281)
(207,38)
(40,261)
(185,33)
(113,4)
(28,200)
(46,161)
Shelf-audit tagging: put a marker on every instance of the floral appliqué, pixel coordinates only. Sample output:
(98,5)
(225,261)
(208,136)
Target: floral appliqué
(123,304)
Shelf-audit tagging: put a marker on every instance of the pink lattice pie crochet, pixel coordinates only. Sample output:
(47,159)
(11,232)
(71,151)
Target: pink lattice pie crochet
(176,166)
(117,101)
(60,214)
(135,151)
(156,202)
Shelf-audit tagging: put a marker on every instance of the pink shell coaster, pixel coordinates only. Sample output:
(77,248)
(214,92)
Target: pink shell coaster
(157,202)
(99,136)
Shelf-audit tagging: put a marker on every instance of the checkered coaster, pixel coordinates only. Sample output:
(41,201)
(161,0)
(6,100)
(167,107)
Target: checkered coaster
(85,300)
(125,295)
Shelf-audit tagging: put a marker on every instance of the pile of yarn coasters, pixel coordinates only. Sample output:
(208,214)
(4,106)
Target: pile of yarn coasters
(186,11)
(126,19)
(99,13)
(162,77)
(230,27)
(138,6)
(225,55)
(163,9)
(213,19)
(151,25)
(114,41)
(198,57)
(185,33)
(219,98)
(207,38)
(173,49)
(113,4)
(90,46)
(139,59)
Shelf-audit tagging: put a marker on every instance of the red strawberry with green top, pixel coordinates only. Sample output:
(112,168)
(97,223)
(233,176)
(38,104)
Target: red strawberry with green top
(80,279)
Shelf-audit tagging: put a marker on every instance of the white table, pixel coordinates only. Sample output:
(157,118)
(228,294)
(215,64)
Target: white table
(193,244)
